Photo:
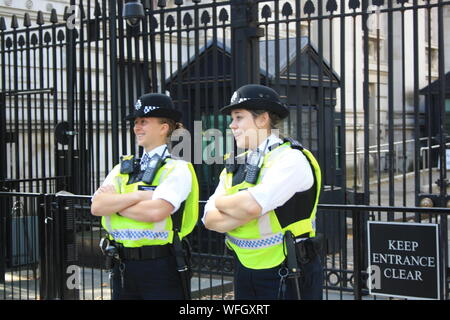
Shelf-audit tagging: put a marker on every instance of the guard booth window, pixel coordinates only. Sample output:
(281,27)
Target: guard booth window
(447,115)
(213,150)
(302,126)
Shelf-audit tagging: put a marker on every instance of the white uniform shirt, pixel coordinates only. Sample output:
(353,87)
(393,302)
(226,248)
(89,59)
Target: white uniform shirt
(292,173)
(176,186)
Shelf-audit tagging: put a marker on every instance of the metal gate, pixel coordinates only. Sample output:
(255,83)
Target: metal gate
(366,82)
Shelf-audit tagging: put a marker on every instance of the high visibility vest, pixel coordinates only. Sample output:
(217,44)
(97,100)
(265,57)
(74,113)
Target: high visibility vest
(258,244)
(132,233)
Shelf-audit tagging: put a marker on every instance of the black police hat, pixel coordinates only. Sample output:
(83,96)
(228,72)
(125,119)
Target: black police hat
(257,97)
(154,105)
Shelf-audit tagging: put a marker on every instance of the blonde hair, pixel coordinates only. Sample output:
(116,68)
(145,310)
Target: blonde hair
(173,125)
(274,119)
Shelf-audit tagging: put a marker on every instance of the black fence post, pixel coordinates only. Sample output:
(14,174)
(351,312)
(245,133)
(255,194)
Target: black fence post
(245,42)
(3,206)
(43,235)
(357,252)
(3,170)
(67,271)
(113,74)
(71,67)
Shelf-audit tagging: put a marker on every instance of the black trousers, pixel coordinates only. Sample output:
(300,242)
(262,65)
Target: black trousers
(155,279)
(264,284)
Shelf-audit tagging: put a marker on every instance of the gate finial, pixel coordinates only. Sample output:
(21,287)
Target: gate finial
(40,18)
(53,16)
(27,20)
(14,23)
(2,24)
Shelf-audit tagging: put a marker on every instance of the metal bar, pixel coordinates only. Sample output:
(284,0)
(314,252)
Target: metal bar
(129,70)
(276,52)
(215,88)
(355,159)
(82,151)
(416,102)
(125,99)
(343,98)
(443,183)
(15,83)
(97,98)
(357,252)
(162,54)
(333,147)
(390,36)
(71,80)
(48,121)
(152,65)
(29,91)
(106,105)
(378,106)
(299,69)
(403,105)
(113,74)
(179,88)
(55,96)
(362,208)
(89,154)
(366,103)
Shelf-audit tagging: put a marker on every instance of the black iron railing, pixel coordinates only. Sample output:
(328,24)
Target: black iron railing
(52,250)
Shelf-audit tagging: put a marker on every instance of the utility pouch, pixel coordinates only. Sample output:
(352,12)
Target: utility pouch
(310,248)
(317,242)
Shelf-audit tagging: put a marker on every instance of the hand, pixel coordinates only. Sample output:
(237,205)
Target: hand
(219,201)
(107,189)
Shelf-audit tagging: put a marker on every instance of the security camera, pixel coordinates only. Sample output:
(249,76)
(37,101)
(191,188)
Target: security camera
(133,12)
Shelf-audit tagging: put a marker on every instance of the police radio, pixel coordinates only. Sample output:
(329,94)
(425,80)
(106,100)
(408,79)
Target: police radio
(252,167)
(127,166)
(153,166)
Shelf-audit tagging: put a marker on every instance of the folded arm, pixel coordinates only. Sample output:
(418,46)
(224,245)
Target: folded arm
(220,222)
(240,205)
(148,210)
(107,201)
(220,215)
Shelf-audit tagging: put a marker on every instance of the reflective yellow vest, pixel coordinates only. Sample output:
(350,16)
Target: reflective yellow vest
(258,244)
(132,233)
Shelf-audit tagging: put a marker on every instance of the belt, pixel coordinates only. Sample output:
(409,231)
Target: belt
(145,252)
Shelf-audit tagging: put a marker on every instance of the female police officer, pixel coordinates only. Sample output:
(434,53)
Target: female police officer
(147,207)
(262,200)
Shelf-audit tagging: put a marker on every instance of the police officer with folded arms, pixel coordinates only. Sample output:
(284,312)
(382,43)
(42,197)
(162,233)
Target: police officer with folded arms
(148,206)
(266,203)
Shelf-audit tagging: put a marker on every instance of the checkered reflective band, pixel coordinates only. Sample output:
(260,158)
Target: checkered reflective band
(260,243)
(136,234)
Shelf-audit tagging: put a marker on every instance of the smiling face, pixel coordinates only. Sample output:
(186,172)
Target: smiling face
(150,132)
(249,131)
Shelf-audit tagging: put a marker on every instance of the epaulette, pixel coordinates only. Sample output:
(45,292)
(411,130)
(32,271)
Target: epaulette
(294,143)
(230,164)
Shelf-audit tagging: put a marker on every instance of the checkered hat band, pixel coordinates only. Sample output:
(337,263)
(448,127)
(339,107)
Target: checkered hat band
(136,234)
(264,242)
(147,109)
